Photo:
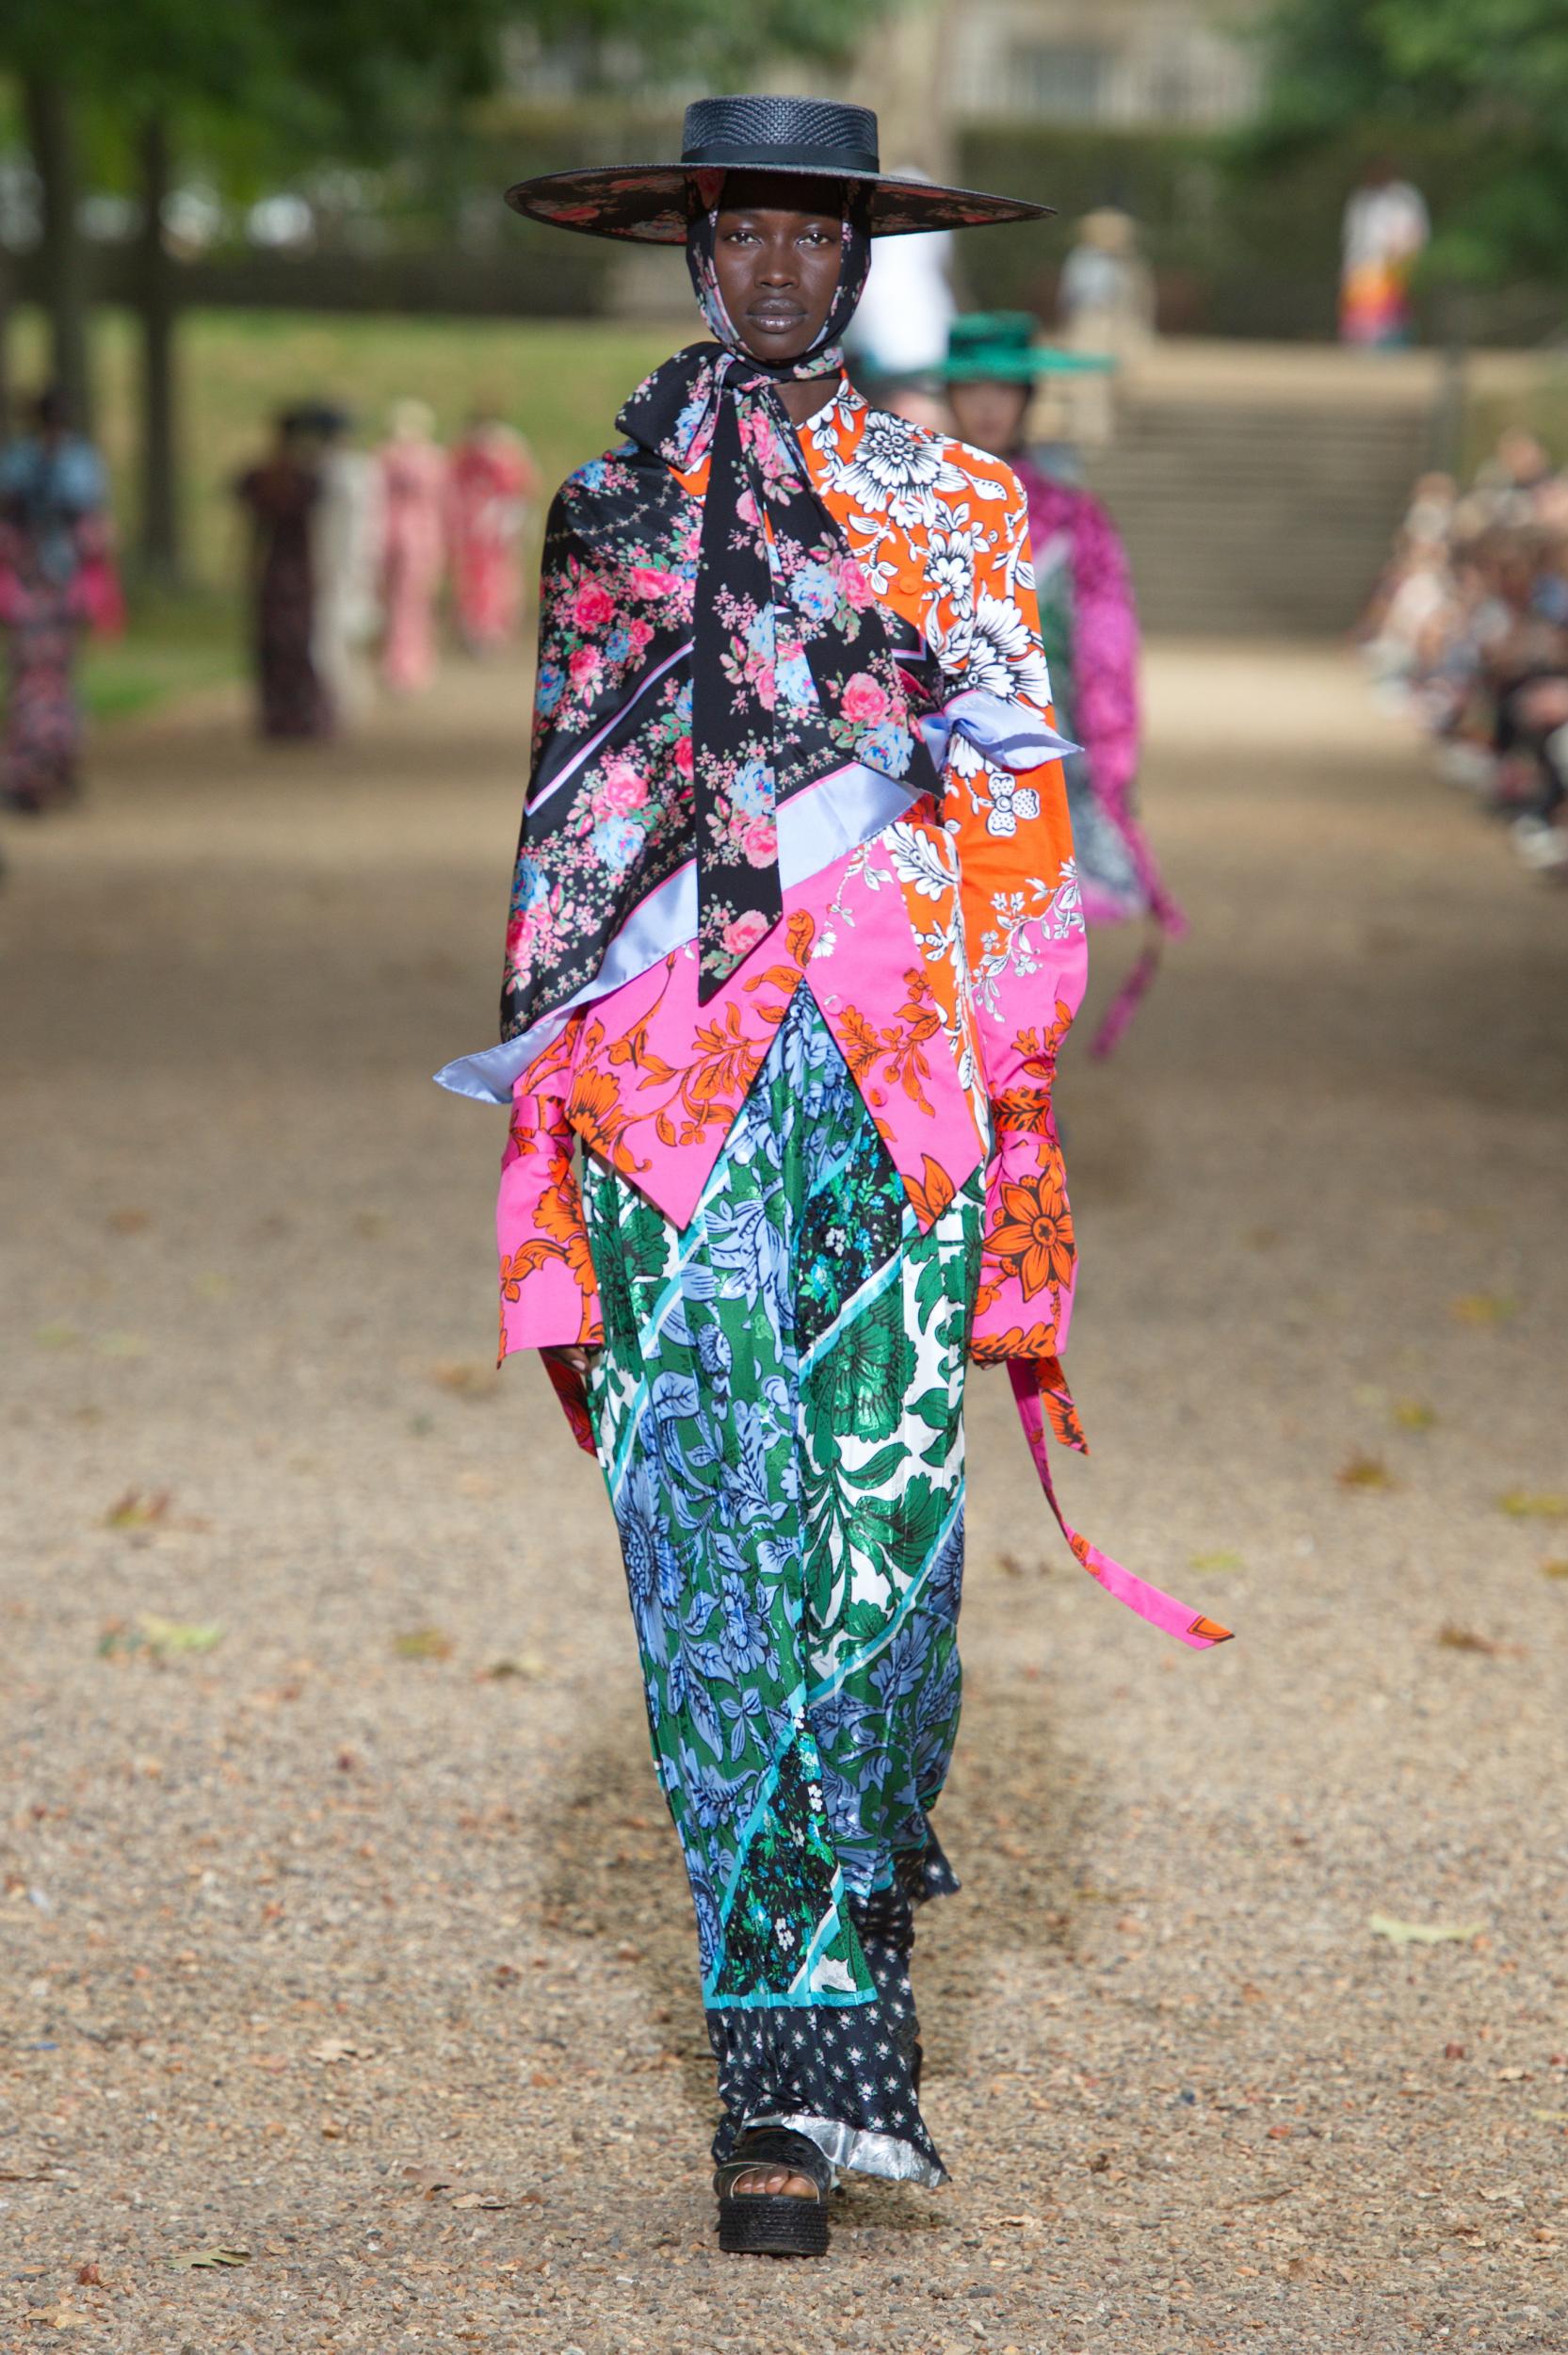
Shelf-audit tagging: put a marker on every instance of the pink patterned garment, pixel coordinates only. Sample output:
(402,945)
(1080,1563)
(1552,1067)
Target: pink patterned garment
(413,493)
(491,482)
(1090,625)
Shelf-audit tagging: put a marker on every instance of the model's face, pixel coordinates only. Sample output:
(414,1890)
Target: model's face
(990,416)
(777,255)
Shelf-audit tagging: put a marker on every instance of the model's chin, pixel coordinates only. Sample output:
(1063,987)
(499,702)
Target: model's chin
(784,343)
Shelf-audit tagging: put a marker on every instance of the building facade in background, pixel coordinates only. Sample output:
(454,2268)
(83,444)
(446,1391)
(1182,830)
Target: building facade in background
(1122,64)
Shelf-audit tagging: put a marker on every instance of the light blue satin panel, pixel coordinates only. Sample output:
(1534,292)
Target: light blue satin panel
(816,826)
(1012,734)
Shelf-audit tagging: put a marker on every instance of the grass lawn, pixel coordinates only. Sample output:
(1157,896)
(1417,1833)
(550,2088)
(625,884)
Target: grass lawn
(560,382)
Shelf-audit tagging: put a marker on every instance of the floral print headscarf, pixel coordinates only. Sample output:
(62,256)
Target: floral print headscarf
(775,578)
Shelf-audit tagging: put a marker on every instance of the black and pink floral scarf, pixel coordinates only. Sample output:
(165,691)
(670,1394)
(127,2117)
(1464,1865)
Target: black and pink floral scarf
(700,663)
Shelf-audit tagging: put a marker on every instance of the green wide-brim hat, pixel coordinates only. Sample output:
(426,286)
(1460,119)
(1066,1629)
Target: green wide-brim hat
(1000,347)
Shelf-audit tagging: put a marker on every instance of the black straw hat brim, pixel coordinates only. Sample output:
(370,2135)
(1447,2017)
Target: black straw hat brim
(653,203)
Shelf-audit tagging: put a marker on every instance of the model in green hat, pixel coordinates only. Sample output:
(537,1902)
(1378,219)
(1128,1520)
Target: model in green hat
(1088,619)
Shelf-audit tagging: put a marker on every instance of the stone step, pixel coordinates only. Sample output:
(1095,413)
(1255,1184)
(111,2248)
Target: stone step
(1258,518)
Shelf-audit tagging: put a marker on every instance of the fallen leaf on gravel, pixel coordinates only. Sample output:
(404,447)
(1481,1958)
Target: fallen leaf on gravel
(192,2260)
(56,1336)
(136,1511)
(212,1284)
(128,1222)
(1525,1504)
(1422,1933)
(1413,1414)
(90,2277)
(1021,2222)
(1213,1565)
(1550,2117)
(169,1638)
(334,2048)
(527,1665)
(427,2180)
(1365,1472)
(119,1345)
(1554,1569)
(1485,1307)
(1455,1638)
(423,1643)
(468,1381)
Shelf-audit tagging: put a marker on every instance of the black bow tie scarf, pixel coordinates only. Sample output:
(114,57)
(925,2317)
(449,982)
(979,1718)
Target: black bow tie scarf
(768,544)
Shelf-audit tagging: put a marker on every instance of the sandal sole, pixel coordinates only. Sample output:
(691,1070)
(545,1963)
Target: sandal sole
(773,2225)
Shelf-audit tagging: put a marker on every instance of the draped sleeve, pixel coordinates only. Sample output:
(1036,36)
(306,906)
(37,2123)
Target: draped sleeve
(1024,937)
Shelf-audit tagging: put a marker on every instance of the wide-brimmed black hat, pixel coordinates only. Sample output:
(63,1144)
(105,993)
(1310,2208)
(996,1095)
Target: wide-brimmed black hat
(653,203)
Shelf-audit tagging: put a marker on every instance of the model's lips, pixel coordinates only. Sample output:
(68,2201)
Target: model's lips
(775,319)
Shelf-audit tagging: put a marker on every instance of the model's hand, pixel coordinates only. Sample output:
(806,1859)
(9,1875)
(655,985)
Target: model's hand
(574,1354)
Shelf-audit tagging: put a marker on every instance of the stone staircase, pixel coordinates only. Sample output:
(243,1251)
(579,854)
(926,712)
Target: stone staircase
(1259,516)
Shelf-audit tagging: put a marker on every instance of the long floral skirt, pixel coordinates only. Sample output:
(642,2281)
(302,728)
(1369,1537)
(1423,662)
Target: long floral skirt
(779,1414)
(43,737)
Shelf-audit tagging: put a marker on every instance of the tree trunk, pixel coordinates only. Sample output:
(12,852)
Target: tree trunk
(157,303)
(8,418)
(51,136)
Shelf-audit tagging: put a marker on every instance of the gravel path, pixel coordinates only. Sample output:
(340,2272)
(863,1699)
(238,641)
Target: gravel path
(357,1939)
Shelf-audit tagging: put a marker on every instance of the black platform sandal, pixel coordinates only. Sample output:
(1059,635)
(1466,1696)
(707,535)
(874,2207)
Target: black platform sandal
(773,2224)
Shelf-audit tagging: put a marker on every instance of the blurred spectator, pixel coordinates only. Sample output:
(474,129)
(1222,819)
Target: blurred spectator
(1105,309)
(1089,625)
(346,535)
(414,496)
(280,495)
(1469,633)
(1509,486)
(1385,229)
(919,406)
(492,480)
(56,580)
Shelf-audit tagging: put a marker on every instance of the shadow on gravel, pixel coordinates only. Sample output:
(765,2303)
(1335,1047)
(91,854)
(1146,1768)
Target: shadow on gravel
(1010,1820)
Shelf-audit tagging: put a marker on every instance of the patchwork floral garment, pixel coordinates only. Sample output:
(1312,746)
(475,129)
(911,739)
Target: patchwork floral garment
(778,1412)
(942,943)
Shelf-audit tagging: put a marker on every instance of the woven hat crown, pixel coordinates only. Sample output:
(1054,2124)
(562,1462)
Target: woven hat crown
(730,130)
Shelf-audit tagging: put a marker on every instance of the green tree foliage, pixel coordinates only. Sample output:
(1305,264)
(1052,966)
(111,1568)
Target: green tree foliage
(1493,73)
(714,37)
(263,87)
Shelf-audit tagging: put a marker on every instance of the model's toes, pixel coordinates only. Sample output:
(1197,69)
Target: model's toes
(761,2183)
